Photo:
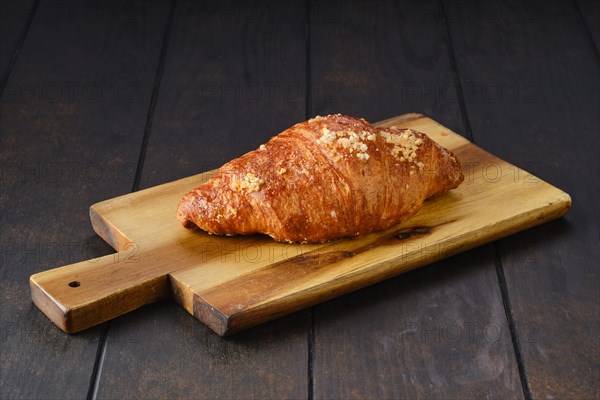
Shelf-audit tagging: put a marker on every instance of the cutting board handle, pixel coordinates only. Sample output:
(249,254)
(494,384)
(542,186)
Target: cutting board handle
(81,295)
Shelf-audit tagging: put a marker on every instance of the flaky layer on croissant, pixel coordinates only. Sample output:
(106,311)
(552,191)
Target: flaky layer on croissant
(323,179)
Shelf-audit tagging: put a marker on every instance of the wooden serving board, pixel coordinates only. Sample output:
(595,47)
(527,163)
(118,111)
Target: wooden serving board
(233,283)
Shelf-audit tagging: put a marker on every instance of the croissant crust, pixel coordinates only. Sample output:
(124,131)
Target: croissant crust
(323,179)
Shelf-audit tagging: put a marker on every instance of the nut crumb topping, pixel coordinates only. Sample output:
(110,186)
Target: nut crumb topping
(327,137)
(404,145)
(315,119)
(320,118)
(230,211)
(350,140)
(251,182)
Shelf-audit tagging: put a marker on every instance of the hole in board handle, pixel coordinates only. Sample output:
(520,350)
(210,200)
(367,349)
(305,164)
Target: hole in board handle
(75,284)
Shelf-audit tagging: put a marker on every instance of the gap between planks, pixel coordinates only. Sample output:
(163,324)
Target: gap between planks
(101,352)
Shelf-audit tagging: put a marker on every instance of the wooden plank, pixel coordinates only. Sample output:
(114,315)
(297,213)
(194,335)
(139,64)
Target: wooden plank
(590,12)
(210,110)
(14,16)
(390,58)
(446,345)
(541,112)
(58,156)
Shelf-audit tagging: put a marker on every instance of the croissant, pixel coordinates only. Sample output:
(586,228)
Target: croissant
(323,179)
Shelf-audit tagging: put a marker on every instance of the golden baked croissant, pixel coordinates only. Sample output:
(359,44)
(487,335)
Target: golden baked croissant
(323,179)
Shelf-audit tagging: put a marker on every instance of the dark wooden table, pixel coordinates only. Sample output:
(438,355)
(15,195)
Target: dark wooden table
(104,98)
